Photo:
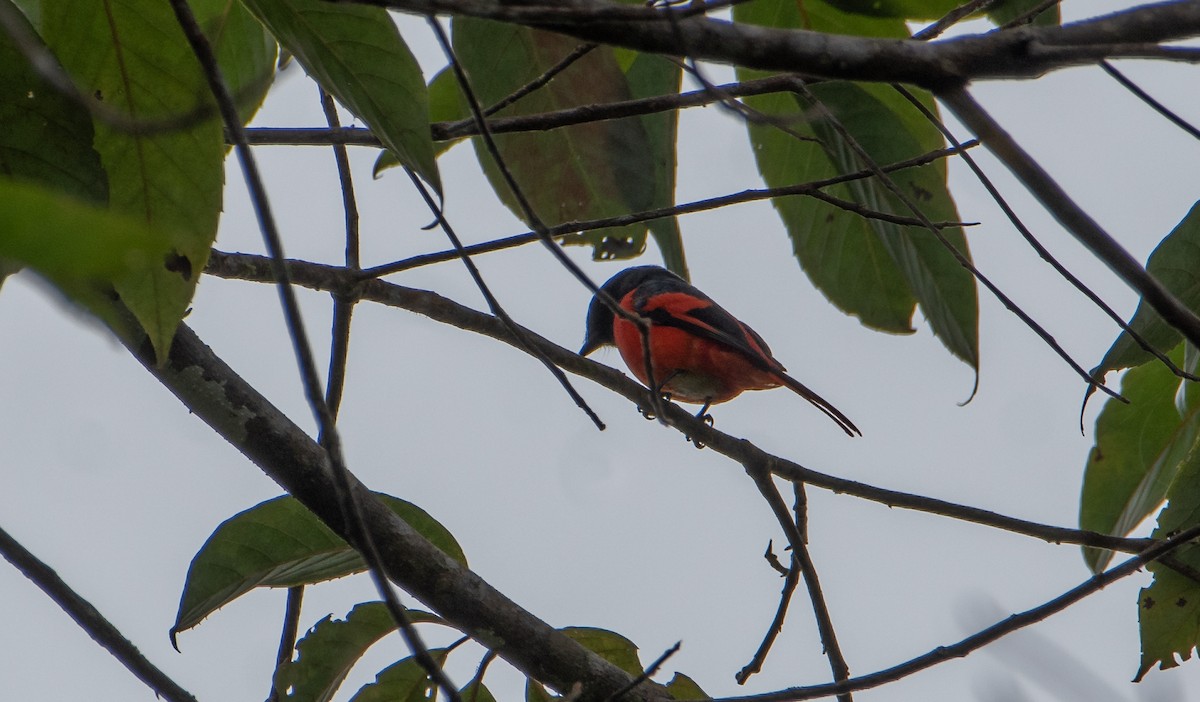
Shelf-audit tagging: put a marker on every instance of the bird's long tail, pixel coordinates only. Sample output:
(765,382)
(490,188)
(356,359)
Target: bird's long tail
(820,403)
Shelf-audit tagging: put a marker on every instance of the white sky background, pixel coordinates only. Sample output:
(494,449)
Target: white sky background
(114,484)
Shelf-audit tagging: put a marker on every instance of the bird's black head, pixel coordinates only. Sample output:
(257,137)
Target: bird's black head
(600,317)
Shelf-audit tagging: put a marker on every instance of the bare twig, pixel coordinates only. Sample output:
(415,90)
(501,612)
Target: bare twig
(1073,217)
(984,637)
(1145,97)
(952,18)
(959,256)
(494,304)
(646,674)
(802,561)
(1037,245)
(91,620)
(287,638)
(811,189)
(530,214)
(308,370)
(323,277)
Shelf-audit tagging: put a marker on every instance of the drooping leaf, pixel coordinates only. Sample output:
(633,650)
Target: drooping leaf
(1175,262)
(867,267)
(1140,448)
(133,56)
(330,648)
(279,543)
(404,681)
(445,105)
(586,171)
(82,248)
(357,54)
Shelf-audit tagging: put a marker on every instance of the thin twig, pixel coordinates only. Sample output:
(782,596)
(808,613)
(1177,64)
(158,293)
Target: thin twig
(316,276)
(531,216)
(1037,245)
(287,638)
(761,476)
(959,256)
(791,578)
(495,306)
(981,638)
(1073,217)
(1030,15)
(650,671)
(330,440)
(952,18)
(810,188)
(548,75)
(1149,100)
(91,620)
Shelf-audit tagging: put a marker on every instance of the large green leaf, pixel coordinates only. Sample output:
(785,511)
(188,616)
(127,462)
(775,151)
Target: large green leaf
(1175,262)
(404,681)
(328,651)
(82,248)
(279,543)
(133,56)
(586,171)
(1140,448)
(357,54)
(873,269)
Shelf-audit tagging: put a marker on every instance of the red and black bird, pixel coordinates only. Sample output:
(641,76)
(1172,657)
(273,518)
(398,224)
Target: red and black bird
(700,353)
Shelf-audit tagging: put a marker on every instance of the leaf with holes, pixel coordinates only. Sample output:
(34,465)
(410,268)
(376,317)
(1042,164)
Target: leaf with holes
(331,647)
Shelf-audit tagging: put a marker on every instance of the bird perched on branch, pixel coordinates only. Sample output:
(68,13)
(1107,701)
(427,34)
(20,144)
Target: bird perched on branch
(700,353)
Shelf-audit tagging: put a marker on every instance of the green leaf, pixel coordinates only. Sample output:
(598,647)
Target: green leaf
(279,543)
(476,692)
(81,248)
(328,651)
(1008,10)
(1140,448)
(609,645)
(47,137)
(872,269)
(357,54)
(587,171)
(1169,609)
(898,9)
(246,53)
(445,105)
(133,56)
(1168,618)
(651,75)
(404,681)
(1175,262)
(682,687)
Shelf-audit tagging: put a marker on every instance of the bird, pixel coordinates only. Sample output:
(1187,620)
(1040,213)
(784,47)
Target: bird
(700,353)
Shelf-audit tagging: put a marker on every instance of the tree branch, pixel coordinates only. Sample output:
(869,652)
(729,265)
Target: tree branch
(441,309)
(1023,52)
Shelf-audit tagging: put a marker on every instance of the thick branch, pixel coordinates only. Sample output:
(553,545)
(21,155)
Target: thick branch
(1016,53)
(250,423)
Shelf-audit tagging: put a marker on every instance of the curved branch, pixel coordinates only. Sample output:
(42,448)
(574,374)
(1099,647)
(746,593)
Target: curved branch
(441,309)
